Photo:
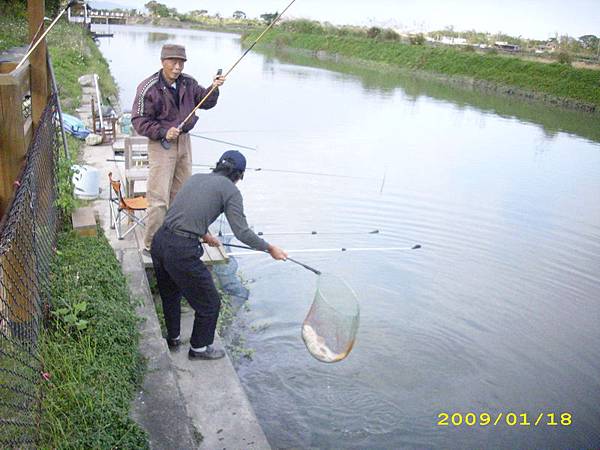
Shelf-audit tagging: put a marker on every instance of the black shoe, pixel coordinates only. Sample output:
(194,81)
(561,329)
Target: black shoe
(173,344)
(209,353)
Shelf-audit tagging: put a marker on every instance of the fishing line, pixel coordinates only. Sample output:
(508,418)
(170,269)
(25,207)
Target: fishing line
(314,232)
(297,172)
(338,249)
(222,142)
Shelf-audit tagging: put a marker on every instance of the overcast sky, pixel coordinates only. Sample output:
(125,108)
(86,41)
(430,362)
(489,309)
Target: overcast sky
(537,19)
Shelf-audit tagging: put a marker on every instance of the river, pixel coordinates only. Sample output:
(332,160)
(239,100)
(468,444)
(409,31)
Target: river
(498,312)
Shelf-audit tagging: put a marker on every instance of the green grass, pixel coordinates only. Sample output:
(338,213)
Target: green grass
(73,54)
(90,346)
(558,80)
(90,350)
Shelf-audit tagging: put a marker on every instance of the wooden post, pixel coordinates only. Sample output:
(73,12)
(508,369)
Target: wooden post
(15,130)
(36,11)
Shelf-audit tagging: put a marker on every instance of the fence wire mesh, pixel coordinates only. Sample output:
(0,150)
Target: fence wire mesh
(27,236)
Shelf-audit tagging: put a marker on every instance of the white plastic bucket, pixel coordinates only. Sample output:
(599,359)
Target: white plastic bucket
(87,182)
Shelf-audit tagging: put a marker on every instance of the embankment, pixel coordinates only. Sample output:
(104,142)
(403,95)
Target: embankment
(555,84)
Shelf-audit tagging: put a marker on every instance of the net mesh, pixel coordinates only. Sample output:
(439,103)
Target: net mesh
(27,235)
(330,327)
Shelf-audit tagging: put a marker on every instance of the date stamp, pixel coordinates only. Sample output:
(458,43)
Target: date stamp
(509,419)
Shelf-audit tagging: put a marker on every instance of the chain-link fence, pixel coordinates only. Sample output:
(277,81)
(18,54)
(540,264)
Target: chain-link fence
(27,236)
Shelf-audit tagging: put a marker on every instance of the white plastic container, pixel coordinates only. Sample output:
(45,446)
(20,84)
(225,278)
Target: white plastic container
(87,182)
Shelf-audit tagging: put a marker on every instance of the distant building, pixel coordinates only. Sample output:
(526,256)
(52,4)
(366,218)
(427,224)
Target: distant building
(507,47)
(453,40)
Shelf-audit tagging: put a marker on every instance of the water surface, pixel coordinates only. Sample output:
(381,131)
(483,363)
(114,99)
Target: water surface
(498,312)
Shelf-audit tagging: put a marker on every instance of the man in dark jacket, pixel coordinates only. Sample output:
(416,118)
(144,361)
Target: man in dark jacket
(176,250)
(161,103)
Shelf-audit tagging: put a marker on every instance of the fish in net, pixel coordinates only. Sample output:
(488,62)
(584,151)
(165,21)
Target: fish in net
(330,327)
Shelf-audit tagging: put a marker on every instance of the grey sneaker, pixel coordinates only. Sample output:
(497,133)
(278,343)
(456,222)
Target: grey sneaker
(146,252)
(209,353)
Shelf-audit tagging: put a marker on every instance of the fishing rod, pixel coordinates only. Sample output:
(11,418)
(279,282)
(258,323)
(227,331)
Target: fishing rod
(289,233)
(34,45)
(323,250)
(166,144)
(297,172)
(222,142)
(312,269)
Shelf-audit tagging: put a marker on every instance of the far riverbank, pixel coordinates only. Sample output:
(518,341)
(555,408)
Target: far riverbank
(554,84)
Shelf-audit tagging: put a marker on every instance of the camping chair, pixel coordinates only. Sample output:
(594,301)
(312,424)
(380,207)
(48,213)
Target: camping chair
(124,207)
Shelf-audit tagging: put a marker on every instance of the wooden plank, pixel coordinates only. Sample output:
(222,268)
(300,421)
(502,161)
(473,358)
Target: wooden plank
(36,10)
(84,221)
(15,132)
(214,255)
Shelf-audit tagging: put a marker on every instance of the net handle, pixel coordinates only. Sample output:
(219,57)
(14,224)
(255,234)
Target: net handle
(312,269)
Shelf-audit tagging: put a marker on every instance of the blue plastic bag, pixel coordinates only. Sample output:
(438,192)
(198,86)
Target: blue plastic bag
(74,126)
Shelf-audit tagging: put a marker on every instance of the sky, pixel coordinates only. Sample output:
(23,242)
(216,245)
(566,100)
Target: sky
(535,19)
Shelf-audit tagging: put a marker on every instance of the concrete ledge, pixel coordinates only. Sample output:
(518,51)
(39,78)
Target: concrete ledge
(84,221)
(182,404)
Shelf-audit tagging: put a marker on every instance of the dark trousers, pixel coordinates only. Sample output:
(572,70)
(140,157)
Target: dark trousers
(179,272)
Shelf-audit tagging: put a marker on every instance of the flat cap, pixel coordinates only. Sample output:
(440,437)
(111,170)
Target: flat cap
(173,51)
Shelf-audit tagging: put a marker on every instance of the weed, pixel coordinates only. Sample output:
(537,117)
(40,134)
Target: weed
(90,350)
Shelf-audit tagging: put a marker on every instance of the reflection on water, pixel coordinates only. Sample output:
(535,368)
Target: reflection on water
(498,312)
(385,82)
(160,37)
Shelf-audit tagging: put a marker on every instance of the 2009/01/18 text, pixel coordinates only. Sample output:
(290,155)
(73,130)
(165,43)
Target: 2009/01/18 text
(510,419)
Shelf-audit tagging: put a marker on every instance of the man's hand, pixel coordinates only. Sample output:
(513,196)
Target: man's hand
(218,81)
(277,253)
(211,240)
(172,134)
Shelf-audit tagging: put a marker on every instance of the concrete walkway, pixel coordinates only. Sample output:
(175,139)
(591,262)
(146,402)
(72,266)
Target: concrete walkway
(182,404)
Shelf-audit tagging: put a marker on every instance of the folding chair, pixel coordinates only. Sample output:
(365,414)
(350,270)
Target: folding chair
(122,208)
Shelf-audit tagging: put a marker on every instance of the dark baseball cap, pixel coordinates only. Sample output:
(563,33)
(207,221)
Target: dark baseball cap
(234,157)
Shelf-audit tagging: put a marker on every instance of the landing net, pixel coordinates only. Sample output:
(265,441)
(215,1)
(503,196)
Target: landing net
(330,327)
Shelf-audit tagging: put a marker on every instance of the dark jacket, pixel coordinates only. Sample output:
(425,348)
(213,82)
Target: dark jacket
(155,110)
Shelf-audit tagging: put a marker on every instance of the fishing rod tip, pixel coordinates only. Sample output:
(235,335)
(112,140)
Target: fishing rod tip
(416,246)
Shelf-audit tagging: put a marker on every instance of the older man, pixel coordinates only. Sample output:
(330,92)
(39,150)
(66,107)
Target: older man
(162,102)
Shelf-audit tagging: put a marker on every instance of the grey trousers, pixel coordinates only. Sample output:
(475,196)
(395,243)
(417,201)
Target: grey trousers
(169,169)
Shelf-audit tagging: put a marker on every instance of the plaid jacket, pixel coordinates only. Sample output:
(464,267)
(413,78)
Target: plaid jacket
(154,108)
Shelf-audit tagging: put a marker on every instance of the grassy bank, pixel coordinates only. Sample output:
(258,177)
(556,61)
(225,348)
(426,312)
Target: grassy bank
(90,344)
(73,54)
(90,350)
(560,81)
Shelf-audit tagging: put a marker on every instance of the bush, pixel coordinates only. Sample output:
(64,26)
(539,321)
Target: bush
(390,35)
(374,32)
(303,26)
(564,58)
(18,8)
(417,39)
